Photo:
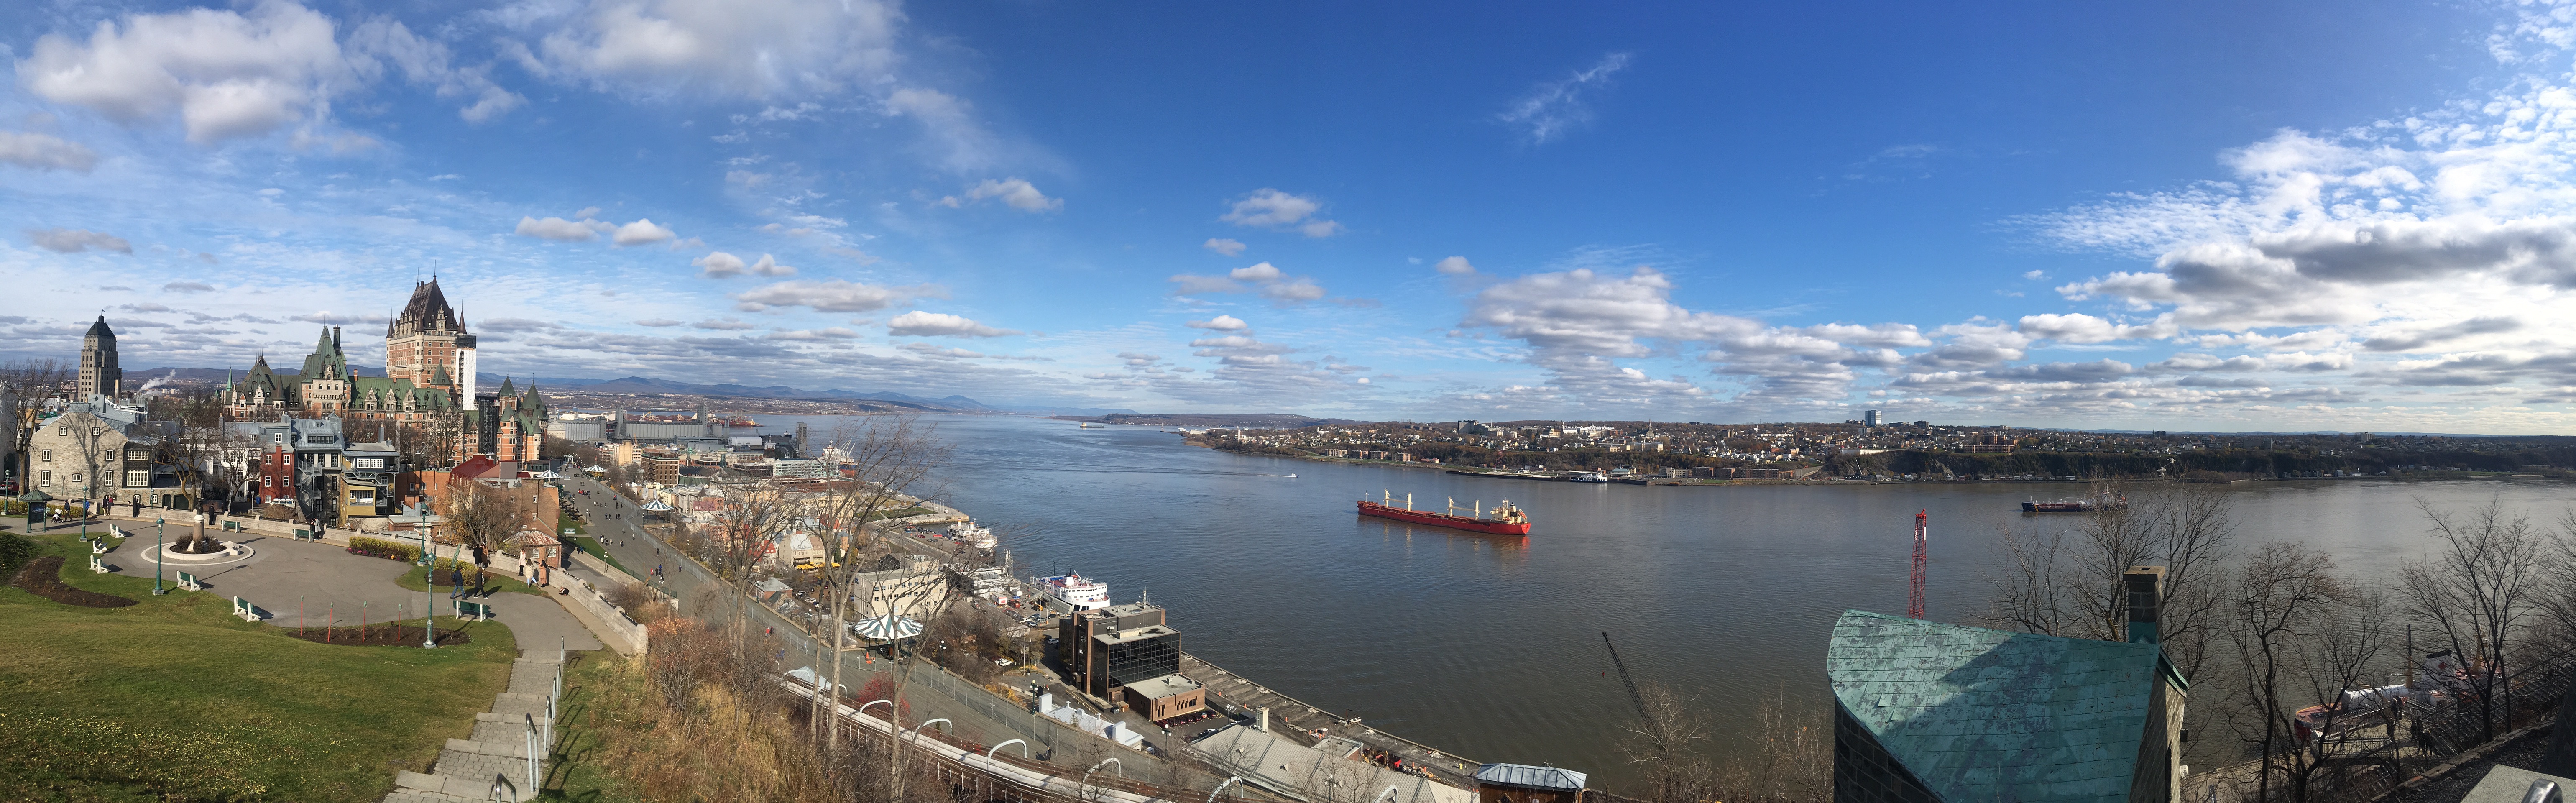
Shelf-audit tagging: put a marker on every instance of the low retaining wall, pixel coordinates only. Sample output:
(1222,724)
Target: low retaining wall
(612,618)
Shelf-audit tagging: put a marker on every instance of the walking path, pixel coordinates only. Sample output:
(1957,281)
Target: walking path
(496,758)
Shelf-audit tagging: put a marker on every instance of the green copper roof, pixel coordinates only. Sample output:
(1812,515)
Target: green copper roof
(1983,714)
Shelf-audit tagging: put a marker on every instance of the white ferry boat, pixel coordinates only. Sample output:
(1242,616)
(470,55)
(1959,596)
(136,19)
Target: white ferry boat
(1075,592)
(971,534)
(1589,476)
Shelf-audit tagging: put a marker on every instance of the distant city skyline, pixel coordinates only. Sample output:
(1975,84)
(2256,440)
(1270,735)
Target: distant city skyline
(2201,217)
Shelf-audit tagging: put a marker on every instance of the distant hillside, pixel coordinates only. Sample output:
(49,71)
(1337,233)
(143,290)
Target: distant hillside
(632,386)
(1218,420)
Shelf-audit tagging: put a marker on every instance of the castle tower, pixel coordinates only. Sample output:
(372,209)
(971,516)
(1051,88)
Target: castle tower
(429,345)
(99,375)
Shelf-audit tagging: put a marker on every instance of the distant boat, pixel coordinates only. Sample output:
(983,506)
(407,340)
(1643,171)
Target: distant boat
(1589,476)
(741,423)
(1507,520)
(2081,504)
(1089,425)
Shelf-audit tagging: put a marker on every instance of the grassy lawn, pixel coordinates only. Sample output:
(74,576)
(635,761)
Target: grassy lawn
(176,699)
(597,692)
(491,579)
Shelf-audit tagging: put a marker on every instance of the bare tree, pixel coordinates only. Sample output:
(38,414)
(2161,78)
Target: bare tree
(1793,760)
(25,387)
(481,516)
(888,456)
(2284,592)
(2485,578)
(2063,583)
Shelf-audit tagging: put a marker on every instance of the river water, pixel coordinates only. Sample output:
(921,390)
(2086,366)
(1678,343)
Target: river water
(1491,647)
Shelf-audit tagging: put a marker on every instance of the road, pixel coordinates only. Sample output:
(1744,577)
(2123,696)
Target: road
(618,525)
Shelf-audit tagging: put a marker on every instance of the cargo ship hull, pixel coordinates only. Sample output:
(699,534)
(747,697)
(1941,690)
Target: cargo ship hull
(1470,524)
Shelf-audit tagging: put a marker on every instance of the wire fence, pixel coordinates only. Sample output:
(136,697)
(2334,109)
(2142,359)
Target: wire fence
(2369,758)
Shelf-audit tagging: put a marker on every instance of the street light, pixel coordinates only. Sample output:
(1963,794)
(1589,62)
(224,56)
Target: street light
(157,524)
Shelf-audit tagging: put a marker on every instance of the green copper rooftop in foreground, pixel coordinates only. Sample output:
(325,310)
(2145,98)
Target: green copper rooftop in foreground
(1978,714)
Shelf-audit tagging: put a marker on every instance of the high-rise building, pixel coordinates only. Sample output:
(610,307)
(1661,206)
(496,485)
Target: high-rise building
(429,345)
(99,375)
(1869,419)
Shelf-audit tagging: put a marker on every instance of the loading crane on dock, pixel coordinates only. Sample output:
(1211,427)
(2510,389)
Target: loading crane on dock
(1922,544)
(1634,698)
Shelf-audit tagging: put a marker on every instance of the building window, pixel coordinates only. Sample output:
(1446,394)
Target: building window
(49,456)
(76,478)
(138,479)
(45,478)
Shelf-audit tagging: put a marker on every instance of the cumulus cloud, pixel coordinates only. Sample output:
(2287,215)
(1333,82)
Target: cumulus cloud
(727,324)
(1262,278)
(2082,328)
(835,295)
(641,232)
(1224,245)
(45,152)
(225,74)
(721,265)
(1553,108)
(1222,323)
(329,318)
(1269,208)
(555,228)
(73,241)
(658,322)
(1454,266)
(187,287)
(1016,192)
(934,324)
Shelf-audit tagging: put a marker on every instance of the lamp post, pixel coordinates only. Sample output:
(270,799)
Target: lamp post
(429,594)
(157,523)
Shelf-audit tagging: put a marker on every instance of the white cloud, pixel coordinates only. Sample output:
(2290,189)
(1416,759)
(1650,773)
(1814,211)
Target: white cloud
(1292,291)
(1222,323)
(1272,209)
(227,75)
(1262,278)
(1226,246)
(759,49)
(1018,193)
(1553,108)
(555,228)
(721,265)
(1454,266)
(658,322)
(641,232)
(728,324)
(73,241)
(2082,328)
(1260,272)
(959,142)
(835,295)
(45,152)
(934,324)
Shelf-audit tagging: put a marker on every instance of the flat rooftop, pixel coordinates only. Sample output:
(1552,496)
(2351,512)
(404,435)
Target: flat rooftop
(1135,634)
(1165,686)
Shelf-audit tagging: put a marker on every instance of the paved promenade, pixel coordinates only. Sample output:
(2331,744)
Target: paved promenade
(312,584)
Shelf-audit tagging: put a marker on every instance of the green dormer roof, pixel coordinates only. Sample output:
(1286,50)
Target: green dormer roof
(1978,714)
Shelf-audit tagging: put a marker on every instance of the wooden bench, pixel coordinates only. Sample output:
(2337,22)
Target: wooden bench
(189,582)
(302,534)
(245,610)
(477,611)
(231,526)
(95,566)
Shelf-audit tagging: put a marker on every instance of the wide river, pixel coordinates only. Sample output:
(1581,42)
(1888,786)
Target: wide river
(1491,647)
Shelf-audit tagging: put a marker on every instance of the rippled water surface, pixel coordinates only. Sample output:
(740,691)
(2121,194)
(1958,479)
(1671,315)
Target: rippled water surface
(1491,647)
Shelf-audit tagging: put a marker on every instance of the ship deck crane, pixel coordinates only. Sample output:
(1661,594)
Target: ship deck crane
(1634,698)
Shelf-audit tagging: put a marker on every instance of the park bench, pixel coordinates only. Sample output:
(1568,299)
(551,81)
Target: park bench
(189,582)
(98,547)
(231,526)
(477,611)
(302,534)
(245,610)
(95,566)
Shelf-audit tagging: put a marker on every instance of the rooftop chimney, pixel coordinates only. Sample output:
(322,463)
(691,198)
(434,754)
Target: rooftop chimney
(2146,600)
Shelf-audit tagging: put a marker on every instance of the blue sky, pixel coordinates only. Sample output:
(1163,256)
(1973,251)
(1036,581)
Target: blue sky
(2187,216)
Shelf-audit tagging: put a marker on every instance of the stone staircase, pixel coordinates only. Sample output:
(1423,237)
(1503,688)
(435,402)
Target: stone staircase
(466,768)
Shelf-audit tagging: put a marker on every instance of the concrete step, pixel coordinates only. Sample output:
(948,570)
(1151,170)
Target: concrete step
(408,779)
(510,719)
(507,748)
(411,796)
(470,774)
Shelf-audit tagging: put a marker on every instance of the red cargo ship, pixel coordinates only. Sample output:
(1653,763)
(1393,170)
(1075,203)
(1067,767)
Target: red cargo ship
(1507,520)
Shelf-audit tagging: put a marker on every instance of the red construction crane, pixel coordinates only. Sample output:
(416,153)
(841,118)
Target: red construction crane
(1922,544)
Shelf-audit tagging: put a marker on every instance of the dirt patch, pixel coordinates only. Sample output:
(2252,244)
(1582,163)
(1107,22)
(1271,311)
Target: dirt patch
(376,636)
(43,577)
